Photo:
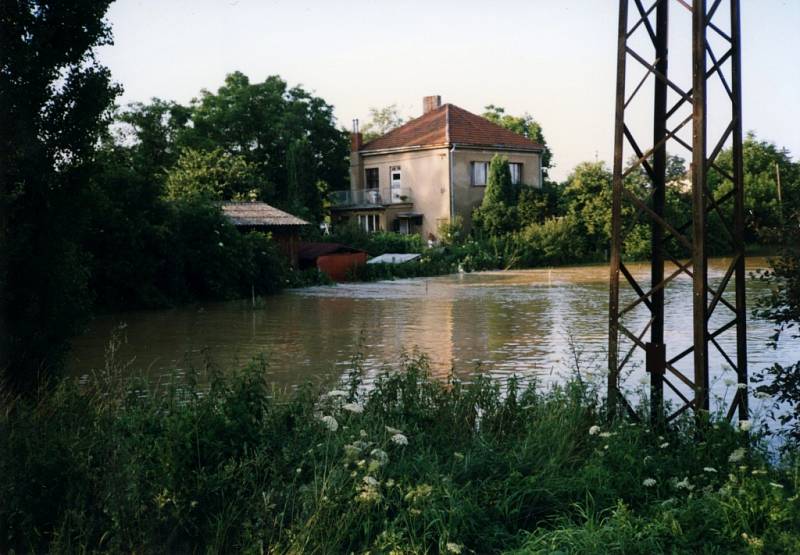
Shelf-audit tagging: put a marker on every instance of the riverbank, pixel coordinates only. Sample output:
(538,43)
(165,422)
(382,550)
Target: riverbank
(413,465)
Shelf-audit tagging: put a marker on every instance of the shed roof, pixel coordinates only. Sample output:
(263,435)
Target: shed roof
(312,251)
(448,125)
(258,214)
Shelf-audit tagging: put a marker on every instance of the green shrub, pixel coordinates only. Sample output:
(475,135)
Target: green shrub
(409,464)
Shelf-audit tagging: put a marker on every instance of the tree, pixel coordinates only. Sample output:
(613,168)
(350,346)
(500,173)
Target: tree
(55,100)
(497,213)
(260,121)
(304,195)
(782,306)
(765,206)
(525,126)
(587,197)
(213,175)
(382,120)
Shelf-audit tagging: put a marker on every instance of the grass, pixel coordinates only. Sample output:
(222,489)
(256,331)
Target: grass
(406,465)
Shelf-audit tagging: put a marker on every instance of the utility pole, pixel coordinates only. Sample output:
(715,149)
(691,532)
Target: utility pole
(643,42)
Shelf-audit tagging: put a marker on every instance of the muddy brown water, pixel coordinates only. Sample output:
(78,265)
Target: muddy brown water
(529,323)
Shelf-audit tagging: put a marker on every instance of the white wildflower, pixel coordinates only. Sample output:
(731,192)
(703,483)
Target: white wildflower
(453,547)
(776,486)
(664,445)
(763,395)
(298,470)
(737,455)
(729,381)
(741,386)
(606,434)
(393,430)
(644,379)
(221,244)
(745,425)
(370,481)
(649,482)
(337,393)
(710,469)
(594,430)
(400,439)
(353,407)
(380,456)
(330,423)
(684,484)
(362,433)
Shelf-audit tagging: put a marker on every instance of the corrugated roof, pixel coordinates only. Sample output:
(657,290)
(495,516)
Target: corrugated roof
(447,125)
(258,214)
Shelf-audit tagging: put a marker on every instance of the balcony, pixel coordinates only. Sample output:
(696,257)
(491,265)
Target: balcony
(370,198)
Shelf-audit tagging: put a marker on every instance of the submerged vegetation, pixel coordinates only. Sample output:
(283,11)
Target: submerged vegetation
(406,465)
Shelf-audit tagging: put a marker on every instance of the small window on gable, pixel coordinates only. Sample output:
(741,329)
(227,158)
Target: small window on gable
(516,173)
(372,178)
(479,171)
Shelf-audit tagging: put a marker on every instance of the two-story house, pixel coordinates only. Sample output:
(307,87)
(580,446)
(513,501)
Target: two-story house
(430,170)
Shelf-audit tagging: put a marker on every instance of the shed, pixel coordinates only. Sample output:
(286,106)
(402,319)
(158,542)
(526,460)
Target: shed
(334,259)
(260,216)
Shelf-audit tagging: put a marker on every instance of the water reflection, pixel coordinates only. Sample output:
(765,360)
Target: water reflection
(516,322)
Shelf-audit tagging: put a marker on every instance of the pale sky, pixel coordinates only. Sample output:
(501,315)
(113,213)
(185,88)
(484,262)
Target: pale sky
(553,59)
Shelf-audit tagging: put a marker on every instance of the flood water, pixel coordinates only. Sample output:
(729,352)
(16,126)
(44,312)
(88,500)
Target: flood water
(531,322)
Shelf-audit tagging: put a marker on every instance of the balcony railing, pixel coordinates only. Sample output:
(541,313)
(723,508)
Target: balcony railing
(370,197)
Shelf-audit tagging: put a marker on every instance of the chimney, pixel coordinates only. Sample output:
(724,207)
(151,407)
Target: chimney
(356,140)
(431,103)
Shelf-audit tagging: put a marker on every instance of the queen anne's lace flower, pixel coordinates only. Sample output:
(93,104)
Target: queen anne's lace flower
(745,425)
(737,455)
(330,423)
(649,482)
(710,470)
(400,439)
(353,407)
(594,430)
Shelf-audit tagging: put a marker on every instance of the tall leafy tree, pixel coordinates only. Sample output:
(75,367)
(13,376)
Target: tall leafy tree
(213,175)
(54,97)
(523,125)
(497,213)
(771,186)
(260,121)
(304,194)
(381,121)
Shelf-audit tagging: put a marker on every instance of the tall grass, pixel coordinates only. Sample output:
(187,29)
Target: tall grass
(408,465)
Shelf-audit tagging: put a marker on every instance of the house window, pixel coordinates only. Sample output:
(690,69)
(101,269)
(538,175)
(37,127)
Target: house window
(516,173)
(369,222)
(372,178)
(479,171)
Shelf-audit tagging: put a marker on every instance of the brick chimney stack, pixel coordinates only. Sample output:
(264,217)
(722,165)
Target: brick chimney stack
(430,103)
(356,140)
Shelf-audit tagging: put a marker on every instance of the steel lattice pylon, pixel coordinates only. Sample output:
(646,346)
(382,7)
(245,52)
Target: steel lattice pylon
(709,61)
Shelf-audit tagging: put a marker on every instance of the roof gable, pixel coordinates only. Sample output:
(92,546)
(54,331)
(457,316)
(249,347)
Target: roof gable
(449,125)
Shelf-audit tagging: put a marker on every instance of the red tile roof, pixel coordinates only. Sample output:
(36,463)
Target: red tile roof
(448,125)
